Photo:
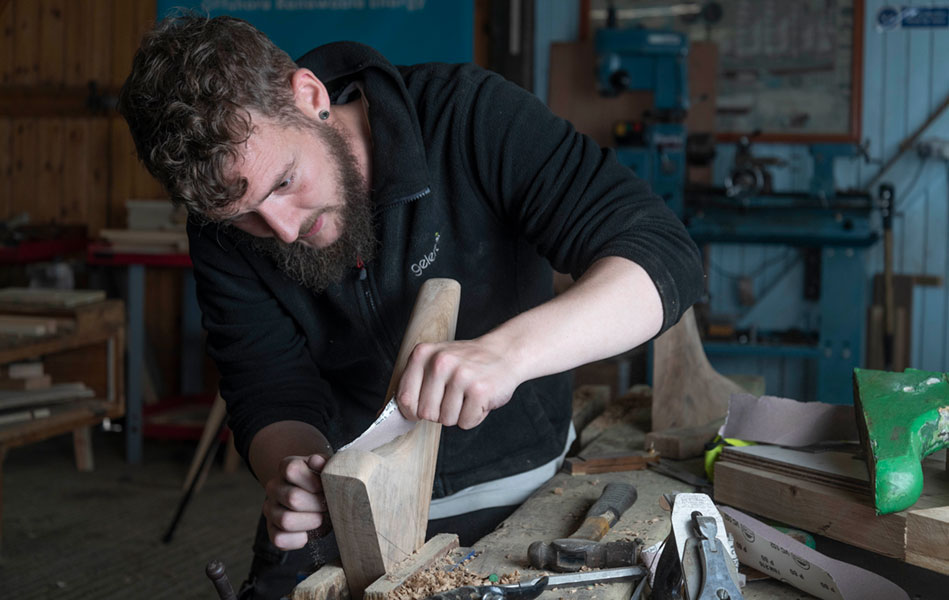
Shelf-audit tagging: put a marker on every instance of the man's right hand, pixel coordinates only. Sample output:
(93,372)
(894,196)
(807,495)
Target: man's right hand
(295,504)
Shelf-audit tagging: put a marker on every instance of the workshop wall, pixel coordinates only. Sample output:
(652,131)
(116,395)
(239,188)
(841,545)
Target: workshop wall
(904,82)
(67,163)
(64,162)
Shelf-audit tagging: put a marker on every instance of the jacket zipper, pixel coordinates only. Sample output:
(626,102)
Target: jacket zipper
(386,349)
(366,289)
(404,200)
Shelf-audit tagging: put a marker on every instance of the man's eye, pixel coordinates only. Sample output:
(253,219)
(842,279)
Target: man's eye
(285,183)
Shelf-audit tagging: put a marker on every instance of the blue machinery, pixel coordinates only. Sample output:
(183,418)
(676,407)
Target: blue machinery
(832,228)
(644,59)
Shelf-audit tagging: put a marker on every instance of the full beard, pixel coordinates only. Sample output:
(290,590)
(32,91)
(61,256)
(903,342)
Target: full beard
(319,268)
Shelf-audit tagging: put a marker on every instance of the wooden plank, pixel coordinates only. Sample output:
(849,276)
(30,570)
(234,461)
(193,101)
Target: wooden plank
(683,442)
(98,197)
(34,299)
(327,583)
(434,549)
(88,43)
(26,44)
(7,43)
(687,390)
(123,163)
(840,514)
(927,538)
(25,166)
(379,499)
(44,206)
(52,58)
(47,100)
(77,39)
(77,174)
(99,22)
(608,464)
(6,165)
(30,326)
(63,420)
(125,40)
(26,383)
(176,240)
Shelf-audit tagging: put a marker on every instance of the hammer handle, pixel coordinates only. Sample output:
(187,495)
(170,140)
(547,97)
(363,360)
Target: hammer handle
(616,499)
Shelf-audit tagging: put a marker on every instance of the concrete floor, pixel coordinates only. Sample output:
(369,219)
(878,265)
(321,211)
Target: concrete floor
(98,535)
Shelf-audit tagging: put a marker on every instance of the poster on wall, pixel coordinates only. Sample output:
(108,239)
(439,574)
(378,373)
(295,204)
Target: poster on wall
(405,31)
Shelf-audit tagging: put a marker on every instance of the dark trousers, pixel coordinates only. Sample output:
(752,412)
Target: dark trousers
(274,573)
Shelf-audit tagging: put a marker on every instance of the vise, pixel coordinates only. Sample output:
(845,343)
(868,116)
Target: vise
(639,59)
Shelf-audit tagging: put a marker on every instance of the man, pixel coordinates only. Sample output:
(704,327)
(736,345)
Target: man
(322,194)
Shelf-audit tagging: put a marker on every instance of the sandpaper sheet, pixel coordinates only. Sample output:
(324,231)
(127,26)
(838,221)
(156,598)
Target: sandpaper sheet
(766,549)
(786,422)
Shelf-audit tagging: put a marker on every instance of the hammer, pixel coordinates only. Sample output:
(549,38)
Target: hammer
(583,548)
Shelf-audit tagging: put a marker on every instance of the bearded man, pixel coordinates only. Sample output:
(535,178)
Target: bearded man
(322,193)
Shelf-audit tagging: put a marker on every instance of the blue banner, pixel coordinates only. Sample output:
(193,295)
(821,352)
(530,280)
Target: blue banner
(405,31)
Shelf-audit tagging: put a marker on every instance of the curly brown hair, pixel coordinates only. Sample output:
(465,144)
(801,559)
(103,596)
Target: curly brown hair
(195,84)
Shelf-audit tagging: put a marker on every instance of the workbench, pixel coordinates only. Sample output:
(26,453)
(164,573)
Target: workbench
(558,507)
(556,510)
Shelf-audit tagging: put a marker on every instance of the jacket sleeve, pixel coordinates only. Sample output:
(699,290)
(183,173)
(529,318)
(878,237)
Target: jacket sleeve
(571,198)
(267,374)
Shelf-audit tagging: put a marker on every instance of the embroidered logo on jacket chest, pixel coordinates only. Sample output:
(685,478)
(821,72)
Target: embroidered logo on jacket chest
(427,260)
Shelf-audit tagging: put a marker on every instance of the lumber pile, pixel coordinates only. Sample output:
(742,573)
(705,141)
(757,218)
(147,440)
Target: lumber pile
(829,493)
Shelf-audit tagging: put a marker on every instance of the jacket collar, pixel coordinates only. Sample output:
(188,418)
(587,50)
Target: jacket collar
(398,152)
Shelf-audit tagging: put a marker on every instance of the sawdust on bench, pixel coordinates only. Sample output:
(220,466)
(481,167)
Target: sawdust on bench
(437,579)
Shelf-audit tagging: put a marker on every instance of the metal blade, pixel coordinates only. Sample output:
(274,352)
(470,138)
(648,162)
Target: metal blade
(389,425)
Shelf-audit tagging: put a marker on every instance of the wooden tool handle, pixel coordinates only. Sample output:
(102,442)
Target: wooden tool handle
(616,498)
(432,320)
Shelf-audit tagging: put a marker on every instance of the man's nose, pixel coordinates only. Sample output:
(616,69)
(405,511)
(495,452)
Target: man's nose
(283,220)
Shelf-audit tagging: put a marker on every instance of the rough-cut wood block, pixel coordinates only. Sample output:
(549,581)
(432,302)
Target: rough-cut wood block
(927,538)
(683,442)
(327,583)
(608,464)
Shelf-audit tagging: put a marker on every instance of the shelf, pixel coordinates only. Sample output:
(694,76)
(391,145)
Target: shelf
(65,418)
(770,350)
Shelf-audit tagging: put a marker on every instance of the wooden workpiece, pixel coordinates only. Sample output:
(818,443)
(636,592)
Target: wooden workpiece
(378,494)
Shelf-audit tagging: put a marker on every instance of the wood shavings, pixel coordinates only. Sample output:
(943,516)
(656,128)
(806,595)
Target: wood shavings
(437,579)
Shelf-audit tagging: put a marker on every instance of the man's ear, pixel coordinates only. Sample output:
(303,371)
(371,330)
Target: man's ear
(309,93)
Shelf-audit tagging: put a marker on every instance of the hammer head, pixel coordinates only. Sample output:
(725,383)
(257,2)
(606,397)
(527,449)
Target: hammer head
(568,555)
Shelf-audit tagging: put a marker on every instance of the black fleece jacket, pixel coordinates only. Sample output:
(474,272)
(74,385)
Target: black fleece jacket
(473,179)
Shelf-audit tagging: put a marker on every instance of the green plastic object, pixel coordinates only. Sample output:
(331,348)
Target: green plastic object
(903,417)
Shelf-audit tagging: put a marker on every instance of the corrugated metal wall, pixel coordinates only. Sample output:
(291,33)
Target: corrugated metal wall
(905,80)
